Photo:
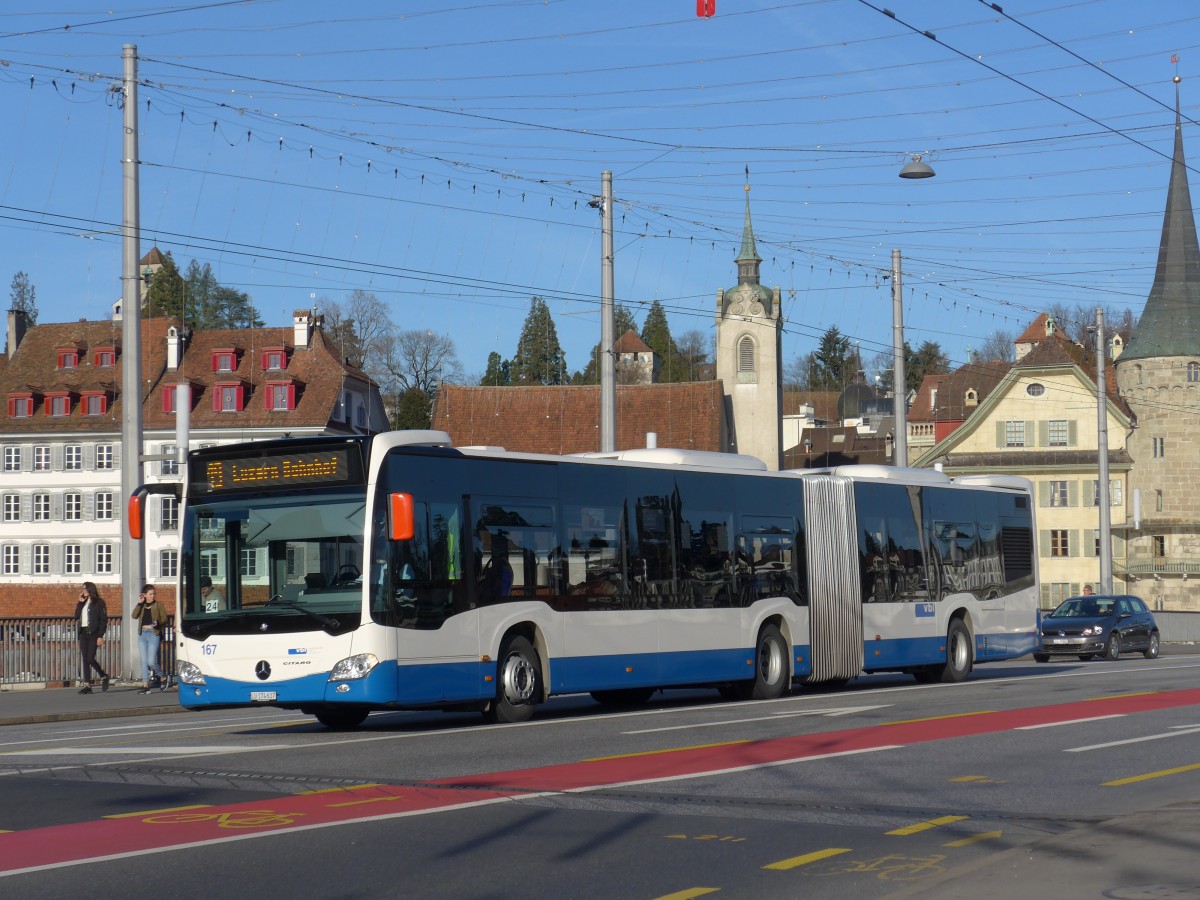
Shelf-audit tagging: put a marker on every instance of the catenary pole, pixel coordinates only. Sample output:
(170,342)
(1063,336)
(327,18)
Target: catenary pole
(608,369)
(1102,486)
(132,565)
(899,392)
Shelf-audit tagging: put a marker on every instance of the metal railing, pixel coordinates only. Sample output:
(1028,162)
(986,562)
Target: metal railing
(1160,565)
(45,650)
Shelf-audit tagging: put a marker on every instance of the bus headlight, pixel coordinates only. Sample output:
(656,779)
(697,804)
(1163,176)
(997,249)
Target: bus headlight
(353,667)
(189,673)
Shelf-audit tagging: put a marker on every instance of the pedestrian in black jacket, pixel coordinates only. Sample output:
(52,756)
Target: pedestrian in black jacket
(91,616)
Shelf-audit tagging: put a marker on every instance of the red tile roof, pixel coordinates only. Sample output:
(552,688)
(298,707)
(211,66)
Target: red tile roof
(566,419)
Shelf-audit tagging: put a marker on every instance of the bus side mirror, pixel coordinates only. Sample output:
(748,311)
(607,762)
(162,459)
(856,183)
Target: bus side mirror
(400,517)
(137,514)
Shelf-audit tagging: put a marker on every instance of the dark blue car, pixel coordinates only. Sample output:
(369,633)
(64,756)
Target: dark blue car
(1104,625)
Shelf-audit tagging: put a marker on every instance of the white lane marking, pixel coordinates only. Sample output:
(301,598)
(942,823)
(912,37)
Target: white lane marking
(771,718)
(1138,740)
(110,751)
(58,739)
(1069,722)
(421,812)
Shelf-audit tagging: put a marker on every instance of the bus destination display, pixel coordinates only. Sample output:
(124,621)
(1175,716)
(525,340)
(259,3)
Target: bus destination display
(280,471)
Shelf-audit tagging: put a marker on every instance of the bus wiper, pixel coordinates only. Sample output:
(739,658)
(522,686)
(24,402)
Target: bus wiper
(329,623)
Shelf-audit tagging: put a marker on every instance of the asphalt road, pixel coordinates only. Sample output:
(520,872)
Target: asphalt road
(1066,780)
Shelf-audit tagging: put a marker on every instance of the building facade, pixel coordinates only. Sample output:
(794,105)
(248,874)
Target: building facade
(62,512)
(1159,375)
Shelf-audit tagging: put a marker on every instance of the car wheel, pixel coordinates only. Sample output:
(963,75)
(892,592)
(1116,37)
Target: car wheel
(1151,652)
(1041,657)
(1113,650)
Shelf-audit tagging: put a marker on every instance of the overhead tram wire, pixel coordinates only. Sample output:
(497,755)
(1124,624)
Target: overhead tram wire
(995,7)
(979,62)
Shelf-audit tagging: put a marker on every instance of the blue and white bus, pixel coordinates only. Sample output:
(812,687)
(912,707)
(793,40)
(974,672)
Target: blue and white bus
(344,575)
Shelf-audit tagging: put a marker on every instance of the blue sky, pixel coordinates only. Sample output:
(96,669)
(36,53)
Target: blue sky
(441,153)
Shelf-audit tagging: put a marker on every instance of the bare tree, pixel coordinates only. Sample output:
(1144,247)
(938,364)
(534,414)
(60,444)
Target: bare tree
(999,346)
(361,329)
(421,360)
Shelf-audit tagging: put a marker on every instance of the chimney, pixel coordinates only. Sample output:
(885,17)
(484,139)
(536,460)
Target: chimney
(302,321)
(174,349)
(18,324)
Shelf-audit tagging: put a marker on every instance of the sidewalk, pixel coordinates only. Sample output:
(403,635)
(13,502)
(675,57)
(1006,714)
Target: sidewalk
(32,704)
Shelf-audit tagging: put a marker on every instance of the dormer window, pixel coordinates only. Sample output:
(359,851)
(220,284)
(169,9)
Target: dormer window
(971,398)
(280,395)
(20,405)
(169,398)
(68,358)
(58,404)
(229,396)
(274,359)
(224,360)
(93,403)
(104,357)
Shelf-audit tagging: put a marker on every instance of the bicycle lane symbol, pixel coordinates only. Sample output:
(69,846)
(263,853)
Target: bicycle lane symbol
(243,818)
(887,868)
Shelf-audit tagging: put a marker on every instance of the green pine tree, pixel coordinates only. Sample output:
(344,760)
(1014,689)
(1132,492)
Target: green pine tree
(834,362)
(498,372)
(539,358)
(166,292)
(657,335)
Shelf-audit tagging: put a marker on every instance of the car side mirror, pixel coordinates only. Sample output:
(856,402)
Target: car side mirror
(1124,615)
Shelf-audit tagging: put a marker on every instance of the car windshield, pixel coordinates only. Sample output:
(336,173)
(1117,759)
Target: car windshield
(1083,607)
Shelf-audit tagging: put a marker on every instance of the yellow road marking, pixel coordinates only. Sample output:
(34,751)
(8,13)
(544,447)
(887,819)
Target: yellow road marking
(925,826)
(974,839)
(688,894)
(157,812)
(1121,696)
(337,790)
(970,778)
(795,861)
(659,752)
(364,800)
(1136,778)
(982,712)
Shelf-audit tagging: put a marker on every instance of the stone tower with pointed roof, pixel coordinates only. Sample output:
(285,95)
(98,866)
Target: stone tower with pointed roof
(1158,374)
(749,339)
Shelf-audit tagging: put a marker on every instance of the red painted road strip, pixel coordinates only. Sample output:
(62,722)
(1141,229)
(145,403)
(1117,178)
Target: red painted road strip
(24,851)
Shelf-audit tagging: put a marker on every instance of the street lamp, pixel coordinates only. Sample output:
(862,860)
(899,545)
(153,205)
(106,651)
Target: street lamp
(917,168)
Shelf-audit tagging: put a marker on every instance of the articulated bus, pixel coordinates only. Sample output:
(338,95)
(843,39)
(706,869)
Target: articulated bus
(344,575)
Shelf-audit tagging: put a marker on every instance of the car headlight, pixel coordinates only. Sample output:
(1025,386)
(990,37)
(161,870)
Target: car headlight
(1094,629)
(189,673)
(353,667)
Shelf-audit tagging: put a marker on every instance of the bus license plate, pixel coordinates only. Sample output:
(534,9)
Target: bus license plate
(262,696)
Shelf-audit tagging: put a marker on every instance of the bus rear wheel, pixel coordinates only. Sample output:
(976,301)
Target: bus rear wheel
(518,683)
(770,667)
(341,718)
(958,654)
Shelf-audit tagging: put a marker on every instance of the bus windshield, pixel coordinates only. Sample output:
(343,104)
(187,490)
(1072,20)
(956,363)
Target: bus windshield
(296,558)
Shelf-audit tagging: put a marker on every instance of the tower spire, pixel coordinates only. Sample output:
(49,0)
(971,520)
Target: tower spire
(1170,322)
(748,260)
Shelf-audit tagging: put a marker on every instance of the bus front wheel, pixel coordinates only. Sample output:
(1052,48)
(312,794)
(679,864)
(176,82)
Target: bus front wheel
(519,681)
(341,718)
(770,667)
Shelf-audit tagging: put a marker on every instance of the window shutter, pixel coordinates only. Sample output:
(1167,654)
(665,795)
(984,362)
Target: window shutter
(116,506)
(1044,544)
(116,456)
(56,457)
(1072,493)
(1074,589)
(1073,538)
(216,400)
(89,457)
(1043,434)
(56,559)
(26,559)
(1000,435)
(26,507)
(87,558)
(56,507)
(1031,435)
(26,460)
(115,556)
(153,567)
(268,391)
(241,397)
(1072,433)
(1044,493)
(89,507)
(168,397)
(291,396)
(1045,595)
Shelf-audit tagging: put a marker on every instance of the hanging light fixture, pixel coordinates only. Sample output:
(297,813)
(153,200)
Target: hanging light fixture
(917,168)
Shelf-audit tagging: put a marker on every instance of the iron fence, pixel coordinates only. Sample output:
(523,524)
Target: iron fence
(45,650)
